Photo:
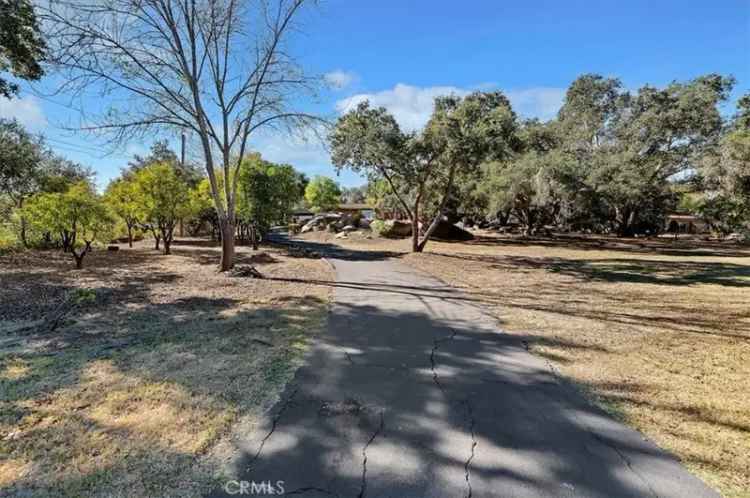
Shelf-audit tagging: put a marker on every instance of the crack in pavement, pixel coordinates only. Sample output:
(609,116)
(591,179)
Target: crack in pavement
(472,426)
(380,428)
(274,423)
(565,384)
(466,402)
(625,459)
(435,346)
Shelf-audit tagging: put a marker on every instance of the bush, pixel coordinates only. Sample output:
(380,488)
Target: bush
(392,229)
(8,238)
(378,227)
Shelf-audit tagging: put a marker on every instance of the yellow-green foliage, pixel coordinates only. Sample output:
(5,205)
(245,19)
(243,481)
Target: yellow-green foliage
(7,236)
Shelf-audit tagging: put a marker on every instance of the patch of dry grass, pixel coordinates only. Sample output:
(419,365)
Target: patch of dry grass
(657,332)
(129,396)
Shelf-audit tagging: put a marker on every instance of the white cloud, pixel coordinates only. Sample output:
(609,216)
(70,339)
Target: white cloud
(340,79)
(304,150)
(538,102)
(412,105)
(26,110)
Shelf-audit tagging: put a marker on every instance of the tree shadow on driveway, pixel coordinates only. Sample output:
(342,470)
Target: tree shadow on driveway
(430,399)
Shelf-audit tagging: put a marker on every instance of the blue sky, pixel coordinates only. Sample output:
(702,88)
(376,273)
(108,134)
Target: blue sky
(401,54)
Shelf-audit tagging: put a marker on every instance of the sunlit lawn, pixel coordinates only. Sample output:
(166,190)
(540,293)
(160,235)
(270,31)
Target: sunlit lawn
(132,393)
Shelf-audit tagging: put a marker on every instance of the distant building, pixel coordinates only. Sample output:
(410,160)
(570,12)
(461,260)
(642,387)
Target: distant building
(686,223)
(301,215)
(365,210)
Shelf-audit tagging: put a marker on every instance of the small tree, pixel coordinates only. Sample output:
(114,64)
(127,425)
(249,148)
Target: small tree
(268,194)
(123,197)
(322,194)
(20,159)
(78,215)
(164,197)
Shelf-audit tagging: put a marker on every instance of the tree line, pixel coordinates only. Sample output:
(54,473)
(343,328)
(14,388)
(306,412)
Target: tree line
(612,161)
(52,202)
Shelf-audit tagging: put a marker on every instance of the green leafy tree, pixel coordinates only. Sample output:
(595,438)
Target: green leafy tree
(322,194)
(268,194)
(161,153)
(20,159)
(354,195)
(202,209)
(125,199)
(629,146)
(421,168)
(78,215)
(726,174)
(164,198)
(21,44)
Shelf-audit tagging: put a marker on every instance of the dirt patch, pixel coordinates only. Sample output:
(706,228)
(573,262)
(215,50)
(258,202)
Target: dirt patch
(162,356)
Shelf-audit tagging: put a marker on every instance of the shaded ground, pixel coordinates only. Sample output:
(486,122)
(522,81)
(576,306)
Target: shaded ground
(135,391)
(414,392)
(658,332)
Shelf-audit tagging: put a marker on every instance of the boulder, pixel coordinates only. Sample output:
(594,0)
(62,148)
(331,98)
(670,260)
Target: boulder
(450,232)
(392,228)
(349,228)
(318,221)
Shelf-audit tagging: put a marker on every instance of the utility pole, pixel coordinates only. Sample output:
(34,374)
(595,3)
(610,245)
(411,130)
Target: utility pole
(182,163)
(182,150)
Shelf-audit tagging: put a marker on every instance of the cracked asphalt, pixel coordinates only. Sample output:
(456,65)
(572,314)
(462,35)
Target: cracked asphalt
(414,391)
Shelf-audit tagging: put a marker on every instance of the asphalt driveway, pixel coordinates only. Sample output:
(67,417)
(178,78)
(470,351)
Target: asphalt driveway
(414,391)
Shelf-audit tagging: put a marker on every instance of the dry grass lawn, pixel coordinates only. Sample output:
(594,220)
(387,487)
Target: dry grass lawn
(657,332)
(157,361)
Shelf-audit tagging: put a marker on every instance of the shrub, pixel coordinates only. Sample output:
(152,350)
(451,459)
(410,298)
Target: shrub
(378,227)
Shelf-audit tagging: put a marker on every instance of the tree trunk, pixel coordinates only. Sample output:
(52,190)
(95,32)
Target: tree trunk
(130,235)
(227,246)
(415,226)
(79,256)
(23,225)
(439,216)
(626,221)
(167,235)
(254,237)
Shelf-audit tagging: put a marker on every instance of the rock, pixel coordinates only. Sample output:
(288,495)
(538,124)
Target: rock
(262,258)
(349,228)
(342,235)
(113,248)
(448,231)
(318,221)
(392,228)
(246,271)
(363,223)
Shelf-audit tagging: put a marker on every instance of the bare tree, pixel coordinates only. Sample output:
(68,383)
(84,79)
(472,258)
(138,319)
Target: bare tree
(220,68)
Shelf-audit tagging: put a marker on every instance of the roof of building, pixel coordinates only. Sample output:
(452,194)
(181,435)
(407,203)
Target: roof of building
(353,206)
(683,217)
